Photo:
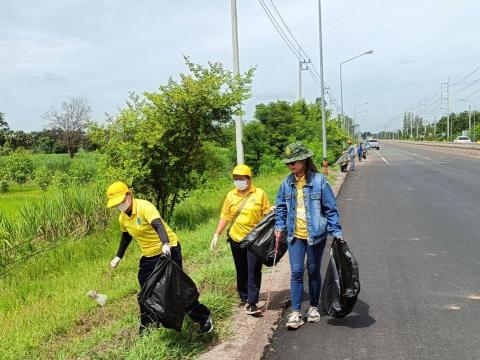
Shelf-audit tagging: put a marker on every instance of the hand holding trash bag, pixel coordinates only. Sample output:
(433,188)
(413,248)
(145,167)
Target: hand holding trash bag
(341,286)
(168,293)
(262,241)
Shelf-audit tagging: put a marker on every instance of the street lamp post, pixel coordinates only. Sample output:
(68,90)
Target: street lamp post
(236,71)
(322,84)
(341,85)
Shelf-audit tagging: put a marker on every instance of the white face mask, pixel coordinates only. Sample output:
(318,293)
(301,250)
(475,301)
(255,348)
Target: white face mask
(241,184)
(124,205)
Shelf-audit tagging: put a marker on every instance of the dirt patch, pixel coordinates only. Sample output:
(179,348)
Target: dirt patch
(86,324)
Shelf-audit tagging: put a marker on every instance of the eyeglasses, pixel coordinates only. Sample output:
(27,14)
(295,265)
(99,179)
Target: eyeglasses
(291,163)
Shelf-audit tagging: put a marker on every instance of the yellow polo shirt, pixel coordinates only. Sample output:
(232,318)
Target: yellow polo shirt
(138,225)
(256,207)
(301,222)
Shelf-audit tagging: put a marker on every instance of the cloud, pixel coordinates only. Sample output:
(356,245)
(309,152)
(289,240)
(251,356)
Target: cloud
(54,78)
(406,62)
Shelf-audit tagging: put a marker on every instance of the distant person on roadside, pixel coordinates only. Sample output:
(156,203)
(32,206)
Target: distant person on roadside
(243,208)
(141,220)
(360,151)
(306,210)
(351,154)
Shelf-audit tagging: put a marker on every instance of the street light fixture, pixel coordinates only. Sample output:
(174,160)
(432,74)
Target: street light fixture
(341,85)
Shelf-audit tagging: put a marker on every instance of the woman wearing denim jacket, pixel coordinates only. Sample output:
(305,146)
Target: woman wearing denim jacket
(306,209)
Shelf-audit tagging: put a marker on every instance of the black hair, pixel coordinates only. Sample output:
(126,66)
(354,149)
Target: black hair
(310,166)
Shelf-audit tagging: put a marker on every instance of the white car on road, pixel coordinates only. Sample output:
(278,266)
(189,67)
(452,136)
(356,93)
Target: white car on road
(374,144)
(462,139)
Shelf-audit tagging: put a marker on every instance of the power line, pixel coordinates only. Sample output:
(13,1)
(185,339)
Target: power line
(466,87)
(279,30)
(475,93)
(288,29)
(466,77)
(300,53)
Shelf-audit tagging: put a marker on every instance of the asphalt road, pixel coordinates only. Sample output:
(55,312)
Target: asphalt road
(412,219)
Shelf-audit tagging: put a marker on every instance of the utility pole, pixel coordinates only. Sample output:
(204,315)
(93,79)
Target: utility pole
(324,119)
(469,120)
(302,65)
(424,111)
(411,123)
(445,100)
(236,71)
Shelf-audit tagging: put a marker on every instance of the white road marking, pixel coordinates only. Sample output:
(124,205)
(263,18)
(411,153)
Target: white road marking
(426,157)
(474,296)
(385,160)
(452,307)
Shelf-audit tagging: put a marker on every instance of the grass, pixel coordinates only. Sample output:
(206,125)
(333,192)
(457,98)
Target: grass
(10,201)
(45,314)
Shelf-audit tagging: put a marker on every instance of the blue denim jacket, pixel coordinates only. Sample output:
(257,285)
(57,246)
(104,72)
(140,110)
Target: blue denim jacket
(320,208)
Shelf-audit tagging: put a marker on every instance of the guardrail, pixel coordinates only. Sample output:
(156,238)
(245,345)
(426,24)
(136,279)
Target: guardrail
(471,146)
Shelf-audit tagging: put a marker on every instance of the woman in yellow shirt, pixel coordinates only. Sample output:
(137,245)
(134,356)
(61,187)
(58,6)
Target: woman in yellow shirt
(140,219)
(243,208)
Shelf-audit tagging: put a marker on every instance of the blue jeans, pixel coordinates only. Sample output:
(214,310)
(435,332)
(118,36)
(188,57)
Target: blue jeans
(296,253)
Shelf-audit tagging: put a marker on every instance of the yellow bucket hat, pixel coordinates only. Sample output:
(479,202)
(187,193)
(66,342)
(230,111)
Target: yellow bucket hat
(242,170)
(116,193)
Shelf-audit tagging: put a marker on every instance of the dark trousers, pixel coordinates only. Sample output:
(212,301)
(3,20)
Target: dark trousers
(198,312)
(249,272)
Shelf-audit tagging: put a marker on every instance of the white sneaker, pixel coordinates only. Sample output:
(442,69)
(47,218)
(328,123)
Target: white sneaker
(313,315)
(294,320)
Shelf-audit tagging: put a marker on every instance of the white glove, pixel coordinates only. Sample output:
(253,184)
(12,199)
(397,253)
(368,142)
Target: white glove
(213,243)
(114,262)
(166,249)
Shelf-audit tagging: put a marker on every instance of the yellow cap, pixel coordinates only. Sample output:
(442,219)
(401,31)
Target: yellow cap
(349,141)
(116,193)
(242,170)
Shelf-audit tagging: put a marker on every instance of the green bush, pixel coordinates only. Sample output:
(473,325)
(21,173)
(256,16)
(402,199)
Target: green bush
(4,185)
(60,180)
(43,177)
(270,164)
(82,168)
(20,166)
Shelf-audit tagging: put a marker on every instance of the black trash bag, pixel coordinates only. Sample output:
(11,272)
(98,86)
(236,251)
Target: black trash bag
(168,293)
(341,286)
(261,241)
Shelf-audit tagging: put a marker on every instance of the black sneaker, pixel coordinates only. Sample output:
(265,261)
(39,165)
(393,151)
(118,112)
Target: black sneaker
(252,309)
(206,326)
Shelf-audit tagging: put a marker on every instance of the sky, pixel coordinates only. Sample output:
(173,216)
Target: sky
(102,50)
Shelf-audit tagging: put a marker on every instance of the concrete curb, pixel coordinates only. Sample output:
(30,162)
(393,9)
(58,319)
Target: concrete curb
(251,335)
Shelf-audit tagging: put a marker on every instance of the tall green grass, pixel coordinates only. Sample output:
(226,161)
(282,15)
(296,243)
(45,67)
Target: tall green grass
(43,223)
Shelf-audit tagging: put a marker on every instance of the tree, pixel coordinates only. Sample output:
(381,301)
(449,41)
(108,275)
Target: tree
(4,129)
(20,140)
(20,166)
(160,143)
(70,122)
